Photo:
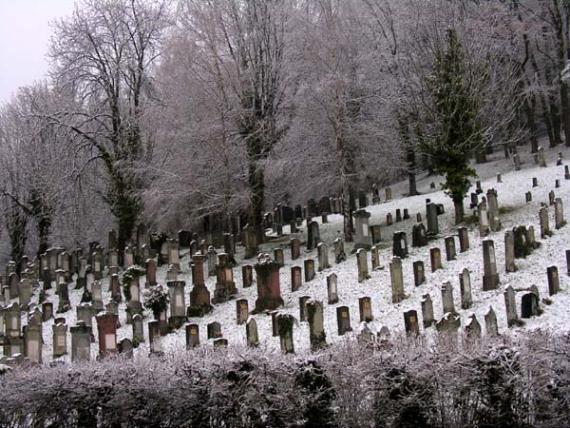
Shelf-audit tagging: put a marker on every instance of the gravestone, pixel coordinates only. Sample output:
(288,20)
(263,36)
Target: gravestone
(463,239)
(473,328)
(411,323)
(192,336)
(510,251)
(491,323)
(59,335)
(427,311)
(493,213)
(528,197)
(484,228)
(332,291)
(365,309)
(397,280)
(389,220)
(314,236)
(296,278)
(376,232)
(279,256)
(343,320)
(544,225)
(450,248)
(177,304)
(419,273)
(465,288)
(214,330)
(449,324)
(375,257)
(447,298)
(339,254)
(432,221)
(295,246)
(529,305)
(247,275)
(490,275)
(47,311)
(309,269)
(107,329)
(553,280)
(323,256)
(398,215)
(559,214)
(510,306)
(362,238)
(242,311)
(362,264)
(435,259)
(285,327)
(251,333)
(268,287)
(522,246)
(419,235)
(138,329)
(150,265)
(80,342)
(400,245)
(303,307)
(154,339)
(199,296)
(33,341)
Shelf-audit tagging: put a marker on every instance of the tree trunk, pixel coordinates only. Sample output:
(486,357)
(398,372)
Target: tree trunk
(257,187)
(459,210)
(565,104)
(481,156)
(530,109)
(411,158)
(43,235)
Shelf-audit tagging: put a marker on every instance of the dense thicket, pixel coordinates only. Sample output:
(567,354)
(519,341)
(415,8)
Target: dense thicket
(164,112)
(507,383)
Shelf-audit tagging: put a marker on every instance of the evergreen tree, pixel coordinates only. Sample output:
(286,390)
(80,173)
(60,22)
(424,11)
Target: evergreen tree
(456,132)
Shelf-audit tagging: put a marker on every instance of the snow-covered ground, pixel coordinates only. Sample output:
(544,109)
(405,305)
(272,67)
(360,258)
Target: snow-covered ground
(511,195)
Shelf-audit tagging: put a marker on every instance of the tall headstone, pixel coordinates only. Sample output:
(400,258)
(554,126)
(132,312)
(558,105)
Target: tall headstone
(510,251)
(465,288)
(450,251)
(419,273)
(411,323)
(80,342)
(400,245)
(427,311)
(490,275)
(332,290)
(314,236)
(511,306)
(432,221)
(491,325)
(447,298)
(317,336)
(435,259)
(309,269)
(268,287)
(339,254)
(363,238)
(397,280)
(323,256)
(343,320)
(199,296)
(362,264)
(553,280)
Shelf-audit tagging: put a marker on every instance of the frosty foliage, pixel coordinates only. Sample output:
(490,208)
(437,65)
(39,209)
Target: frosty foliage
(509,382)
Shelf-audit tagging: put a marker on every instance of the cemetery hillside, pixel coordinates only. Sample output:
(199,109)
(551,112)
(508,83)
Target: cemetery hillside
(289,213)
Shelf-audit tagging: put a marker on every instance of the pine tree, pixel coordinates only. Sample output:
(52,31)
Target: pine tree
(456,132)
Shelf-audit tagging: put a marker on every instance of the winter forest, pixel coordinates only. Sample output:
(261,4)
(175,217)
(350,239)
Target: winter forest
(203,193)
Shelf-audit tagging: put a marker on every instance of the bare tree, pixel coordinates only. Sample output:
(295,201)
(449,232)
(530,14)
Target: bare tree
(103,54)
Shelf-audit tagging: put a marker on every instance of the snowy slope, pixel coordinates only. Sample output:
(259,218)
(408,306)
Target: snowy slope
(532,270)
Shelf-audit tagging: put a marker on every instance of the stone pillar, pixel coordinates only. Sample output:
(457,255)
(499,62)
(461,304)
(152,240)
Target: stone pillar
(81,342)
(510,251)
(199,296)
(427,311)
(375,257)
(343,320)
(484,228)
(490,275)
(494,221)
(315,317)
(397,280)
(332,291)
(450,248)
(268,287)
